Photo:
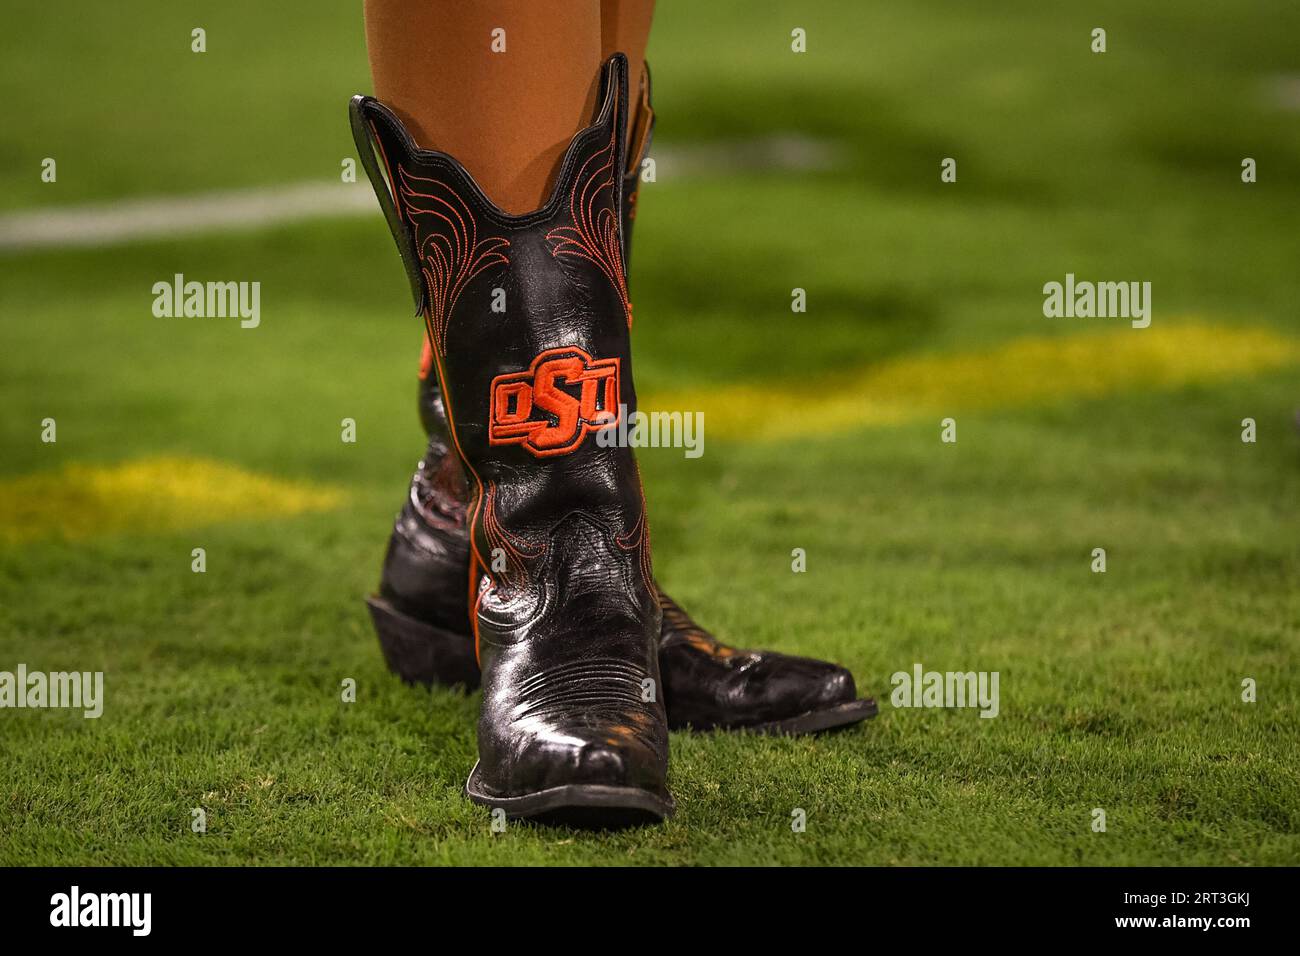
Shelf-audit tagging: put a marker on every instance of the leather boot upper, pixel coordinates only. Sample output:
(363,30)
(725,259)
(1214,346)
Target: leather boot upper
(529,321)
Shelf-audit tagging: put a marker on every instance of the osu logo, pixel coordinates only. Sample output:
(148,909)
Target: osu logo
(550,407)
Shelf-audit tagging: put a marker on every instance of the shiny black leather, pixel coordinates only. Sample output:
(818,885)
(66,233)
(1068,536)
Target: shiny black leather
(707,684)
(428,552)
(426,568)
(564,608)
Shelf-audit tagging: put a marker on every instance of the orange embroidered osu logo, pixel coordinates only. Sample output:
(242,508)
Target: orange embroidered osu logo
(550,407)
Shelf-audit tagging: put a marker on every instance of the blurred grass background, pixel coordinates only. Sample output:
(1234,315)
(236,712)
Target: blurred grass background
(1120,691)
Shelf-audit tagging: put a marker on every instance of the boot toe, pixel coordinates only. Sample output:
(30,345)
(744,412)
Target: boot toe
(600,763)
(834,685)
(611,765)
(615,756)
(781,686)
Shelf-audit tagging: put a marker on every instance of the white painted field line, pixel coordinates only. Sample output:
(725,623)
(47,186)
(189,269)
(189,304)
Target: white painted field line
(168,217)
(105,224)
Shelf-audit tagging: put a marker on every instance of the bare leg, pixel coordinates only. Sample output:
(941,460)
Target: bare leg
(625,28)
(506,116)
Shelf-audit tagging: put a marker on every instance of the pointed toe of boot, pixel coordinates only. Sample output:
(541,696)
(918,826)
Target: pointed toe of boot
(799,695)
(712,686)
(802,683)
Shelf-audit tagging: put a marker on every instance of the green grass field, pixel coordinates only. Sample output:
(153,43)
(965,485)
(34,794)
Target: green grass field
(1119,691)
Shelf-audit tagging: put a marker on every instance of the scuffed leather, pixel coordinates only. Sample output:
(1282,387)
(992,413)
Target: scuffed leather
(565,613)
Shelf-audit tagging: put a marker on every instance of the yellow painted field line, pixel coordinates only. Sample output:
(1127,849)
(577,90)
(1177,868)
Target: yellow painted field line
(147,495)
(168,493)
(1021,372)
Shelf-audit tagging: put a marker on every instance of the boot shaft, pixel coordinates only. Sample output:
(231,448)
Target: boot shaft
(528,318)
(429,395)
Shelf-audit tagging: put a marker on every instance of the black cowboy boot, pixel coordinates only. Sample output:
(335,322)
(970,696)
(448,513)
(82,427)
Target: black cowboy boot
(560,587)
(422,617)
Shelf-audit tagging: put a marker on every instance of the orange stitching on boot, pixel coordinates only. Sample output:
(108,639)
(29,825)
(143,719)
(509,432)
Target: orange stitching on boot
(472,601)
(445,235)
(638,537)
(446,240)
(516,550)
(476,559)
(530,408)
(594,235)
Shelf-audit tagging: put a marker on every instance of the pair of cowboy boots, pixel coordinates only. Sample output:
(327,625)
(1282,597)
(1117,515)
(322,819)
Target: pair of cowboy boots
(521,559)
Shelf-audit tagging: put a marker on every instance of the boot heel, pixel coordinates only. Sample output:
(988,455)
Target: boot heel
(420,653)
